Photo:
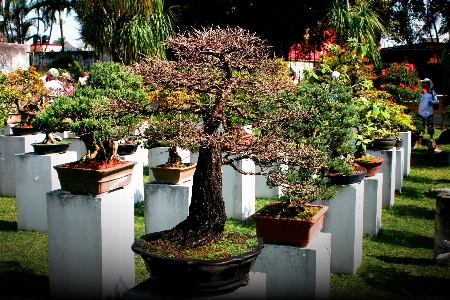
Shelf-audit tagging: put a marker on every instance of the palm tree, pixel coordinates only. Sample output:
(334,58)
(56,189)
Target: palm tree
(50,8)
(126,29)
(359,22)
(16,24)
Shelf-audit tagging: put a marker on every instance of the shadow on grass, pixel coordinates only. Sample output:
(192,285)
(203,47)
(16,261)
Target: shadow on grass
(413,211)
(405,284)
(404,239)
(8,226)
(407,260)
(435,160)
(20,283)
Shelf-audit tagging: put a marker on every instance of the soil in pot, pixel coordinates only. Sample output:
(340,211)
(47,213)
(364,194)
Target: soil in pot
(191,276)
(43,149)
(274,229)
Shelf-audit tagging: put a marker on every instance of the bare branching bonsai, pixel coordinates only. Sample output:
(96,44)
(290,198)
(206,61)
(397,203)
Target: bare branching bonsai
(231,82)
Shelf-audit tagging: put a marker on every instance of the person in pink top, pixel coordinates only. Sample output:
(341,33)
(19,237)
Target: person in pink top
(426,106)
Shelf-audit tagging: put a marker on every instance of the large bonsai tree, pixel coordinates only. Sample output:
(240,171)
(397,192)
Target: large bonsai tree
(230,81)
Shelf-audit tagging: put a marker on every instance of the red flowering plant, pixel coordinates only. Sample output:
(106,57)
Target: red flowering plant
(401,81)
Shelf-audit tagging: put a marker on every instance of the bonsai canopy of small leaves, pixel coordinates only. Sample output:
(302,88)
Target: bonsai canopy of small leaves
(94,112)
(28,96)
(231,83)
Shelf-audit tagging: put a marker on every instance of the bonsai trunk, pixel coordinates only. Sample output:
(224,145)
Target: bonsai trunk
(101,151)
(206,219)
(51,138)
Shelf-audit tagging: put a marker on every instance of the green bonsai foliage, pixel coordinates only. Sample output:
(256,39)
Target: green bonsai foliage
(6,106)
(94,112)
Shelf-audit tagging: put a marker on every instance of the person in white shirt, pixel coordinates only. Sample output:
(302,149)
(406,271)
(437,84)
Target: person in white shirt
(426,106)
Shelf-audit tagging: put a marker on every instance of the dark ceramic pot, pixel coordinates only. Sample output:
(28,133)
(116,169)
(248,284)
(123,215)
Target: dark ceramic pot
(127,149)
(43,149)
(19,131)
(346,179)
(194,275)
(384,144)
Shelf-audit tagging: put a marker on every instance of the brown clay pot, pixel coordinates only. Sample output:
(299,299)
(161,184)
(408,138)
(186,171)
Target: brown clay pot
(288,231)
(173,175)
(371,167)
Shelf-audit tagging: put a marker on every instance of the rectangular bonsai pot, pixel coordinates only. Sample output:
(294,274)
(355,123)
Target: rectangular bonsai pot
(289,231)
(173,175)
(94,182)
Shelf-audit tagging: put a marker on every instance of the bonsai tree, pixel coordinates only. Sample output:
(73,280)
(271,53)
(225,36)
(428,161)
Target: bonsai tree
(91,112)
(6,93)
(232,82)
(28,96)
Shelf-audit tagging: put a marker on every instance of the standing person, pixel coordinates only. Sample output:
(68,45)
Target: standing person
(426,107)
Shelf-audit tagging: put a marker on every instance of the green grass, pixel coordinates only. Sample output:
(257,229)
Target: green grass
(398,263)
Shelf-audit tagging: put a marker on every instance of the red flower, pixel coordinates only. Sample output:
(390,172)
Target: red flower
(382,86)
(395,70)
(424,91)
(383,72)
(402,85)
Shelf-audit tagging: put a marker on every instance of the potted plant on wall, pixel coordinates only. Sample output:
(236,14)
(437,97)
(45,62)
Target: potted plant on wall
(235,83)
(92,114)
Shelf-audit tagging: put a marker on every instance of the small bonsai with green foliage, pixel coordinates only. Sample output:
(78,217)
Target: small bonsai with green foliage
(94,113)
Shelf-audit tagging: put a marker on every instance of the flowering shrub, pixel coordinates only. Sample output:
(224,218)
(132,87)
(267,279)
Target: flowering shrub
(401,81)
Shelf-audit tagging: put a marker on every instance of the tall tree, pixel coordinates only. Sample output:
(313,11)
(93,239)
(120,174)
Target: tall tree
(126,29)
(52,8)
(360,22)
(16,20)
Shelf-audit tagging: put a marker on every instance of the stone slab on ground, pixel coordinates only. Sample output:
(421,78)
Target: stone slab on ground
(255,289)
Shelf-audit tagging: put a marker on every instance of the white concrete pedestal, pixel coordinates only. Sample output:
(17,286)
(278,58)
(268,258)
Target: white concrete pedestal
(158,156)
(165,205)
(406,137)
(262,190)
(373,204)
(238,190)
(399,168)
(89,244)
(344,220)
(11,145)
(137,179)
(297,272)
(36,177)
(388,168)
(255,289)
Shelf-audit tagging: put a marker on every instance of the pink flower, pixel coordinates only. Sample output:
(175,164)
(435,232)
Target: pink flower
(402,85)
(69,90)
(382,86)
(383,72)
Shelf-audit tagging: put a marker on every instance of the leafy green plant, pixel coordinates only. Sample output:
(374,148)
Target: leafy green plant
(401,81)
(94,112)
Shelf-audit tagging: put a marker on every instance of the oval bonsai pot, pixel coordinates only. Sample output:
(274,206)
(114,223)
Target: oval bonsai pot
(43,149)
(196,275)
(295,232)
(126,149)
(384,144)
(346,179)
(19,131)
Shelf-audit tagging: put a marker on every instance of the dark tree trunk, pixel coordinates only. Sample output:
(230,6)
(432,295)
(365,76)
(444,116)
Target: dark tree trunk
(206,219)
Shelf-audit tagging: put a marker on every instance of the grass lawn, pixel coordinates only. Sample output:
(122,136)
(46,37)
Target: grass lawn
(398,263)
